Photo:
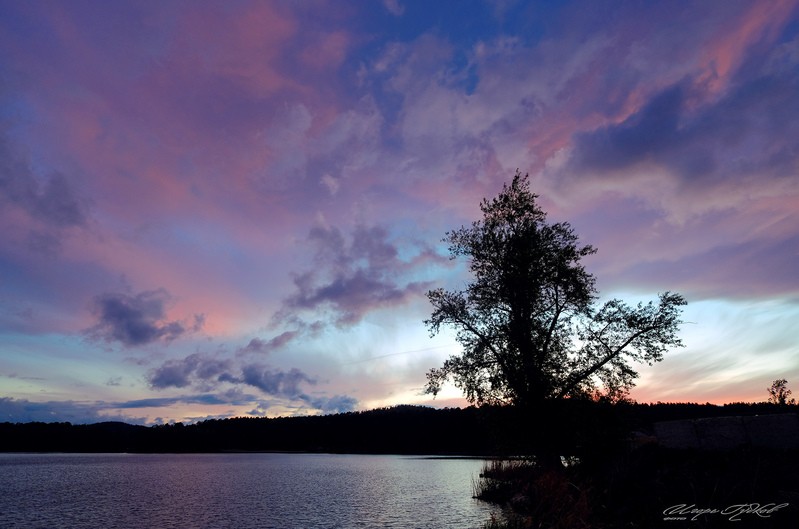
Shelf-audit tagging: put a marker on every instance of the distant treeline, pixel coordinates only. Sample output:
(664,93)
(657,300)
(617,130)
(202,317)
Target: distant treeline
(575,426)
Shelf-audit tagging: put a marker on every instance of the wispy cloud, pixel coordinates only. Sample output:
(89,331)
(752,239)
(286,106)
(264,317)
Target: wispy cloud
(354,275)
(394,7)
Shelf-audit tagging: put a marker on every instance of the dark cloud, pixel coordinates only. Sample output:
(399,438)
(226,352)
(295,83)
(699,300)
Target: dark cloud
(644,135)
(354,277)
(208,399)
(257,345)
(197,369)
(705,138)
(257,412)
(201,371)
(665,132)
(335,404)
(719,161)
(208,368)
(275,382)
(173,373)
(186,371)
(52,200)
(22,410)
(136,320)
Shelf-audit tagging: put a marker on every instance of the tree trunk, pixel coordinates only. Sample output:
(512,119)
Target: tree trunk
(546,444)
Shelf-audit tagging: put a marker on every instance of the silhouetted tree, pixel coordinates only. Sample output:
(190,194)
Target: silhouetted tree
(779,393)
(527,322)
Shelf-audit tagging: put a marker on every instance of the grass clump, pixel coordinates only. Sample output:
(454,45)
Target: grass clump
(533,496)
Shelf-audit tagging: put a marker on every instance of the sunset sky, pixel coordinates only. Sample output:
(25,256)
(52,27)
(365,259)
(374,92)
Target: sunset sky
(215,209)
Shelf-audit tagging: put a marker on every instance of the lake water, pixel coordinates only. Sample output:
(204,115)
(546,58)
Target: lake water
(241,491)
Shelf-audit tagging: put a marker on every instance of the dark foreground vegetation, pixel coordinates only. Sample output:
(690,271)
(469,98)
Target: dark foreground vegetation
(648,487)
(619,475)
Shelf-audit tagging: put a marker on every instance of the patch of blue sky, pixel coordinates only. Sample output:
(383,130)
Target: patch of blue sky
(731,348)
(790,34)
(466,23)
(463,25)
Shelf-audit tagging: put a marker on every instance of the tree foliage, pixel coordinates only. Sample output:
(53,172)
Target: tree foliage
(779,393)
(528,322)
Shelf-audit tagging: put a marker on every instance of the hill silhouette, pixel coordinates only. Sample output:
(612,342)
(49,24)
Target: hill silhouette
(578,426)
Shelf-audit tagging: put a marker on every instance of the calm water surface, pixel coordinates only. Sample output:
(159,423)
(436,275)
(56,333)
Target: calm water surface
(281,491)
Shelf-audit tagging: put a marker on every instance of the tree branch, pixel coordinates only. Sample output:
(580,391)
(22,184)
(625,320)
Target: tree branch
(596,367)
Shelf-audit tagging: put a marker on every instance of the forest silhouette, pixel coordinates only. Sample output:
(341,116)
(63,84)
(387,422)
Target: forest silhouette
(580,428)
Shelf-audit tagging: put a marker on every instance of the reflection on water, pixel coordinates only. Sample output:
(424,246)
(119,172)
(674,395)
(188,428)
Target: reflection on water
(241,491)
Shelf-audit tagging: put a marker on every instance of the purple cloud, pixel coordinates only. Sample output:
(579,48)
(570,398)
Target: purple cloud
(209,399)
(703,139)
(187,371)
(274,382)
(54,201)
(353,277)
(334,404)
(23,410)
(260,346)
(743,270)
(199,370)
(136,320)
(650,133)
(203,372)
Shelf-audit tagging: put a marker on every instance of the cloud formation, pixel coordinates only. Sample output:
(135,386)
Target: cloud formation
(287,172)
(261,346)
(52,200)
(207,373)
(184,372)
(352,277)
(272,382)
(334,404)
(76,412)
(85,412)
(137,320)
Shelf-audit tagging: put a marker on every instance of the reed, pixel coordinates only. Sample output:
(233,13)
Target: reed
(532,495)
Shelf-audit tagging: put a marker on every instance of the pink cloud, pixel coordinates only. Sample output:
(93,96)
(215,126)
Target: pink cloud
(244,45)
(201,104)
(760,23)
(327,52)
